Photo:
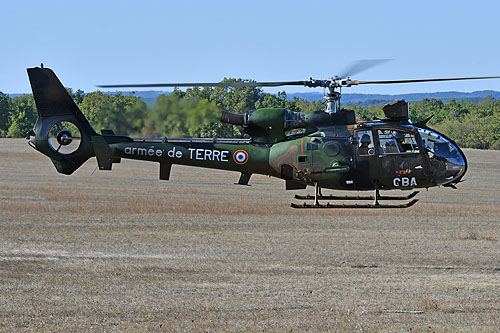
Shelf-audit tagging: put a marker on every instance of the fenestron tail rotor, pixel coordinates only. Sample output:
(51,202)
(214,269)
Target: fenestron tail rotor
(64,137)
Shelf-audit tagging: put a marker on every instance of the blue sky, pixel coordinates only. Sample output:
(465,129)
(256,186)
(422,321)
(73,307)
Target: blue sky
(98,42)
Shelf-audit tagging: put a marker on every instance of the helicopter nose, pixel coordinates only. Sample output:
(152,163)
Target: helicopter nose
(447,161)
(456,167)
(452,164)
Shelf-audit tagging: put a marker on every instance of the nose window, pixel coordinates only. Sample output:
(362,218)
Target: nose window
(439,147)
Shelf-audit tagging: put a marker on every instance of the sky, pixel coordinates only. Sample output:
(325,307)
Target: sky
(92,42)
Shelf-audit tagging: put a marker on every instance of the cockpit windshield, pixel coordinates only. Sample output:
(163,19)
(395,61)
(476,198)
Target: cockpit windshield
(437,145)
(446,161)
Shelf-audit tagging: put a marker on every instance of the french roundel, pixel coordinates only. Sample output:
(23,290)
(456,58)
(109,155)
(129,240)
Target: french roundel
(240,156)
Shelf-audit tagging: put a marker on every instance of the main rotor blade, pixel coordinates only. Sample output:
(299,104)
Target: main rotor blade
(310,83)
(360,66)
(423,80)
(207,84)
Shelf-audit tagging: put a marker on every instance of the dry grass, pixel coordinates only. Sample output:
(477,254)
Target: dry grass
(474,235)
(427,304)
(123,251)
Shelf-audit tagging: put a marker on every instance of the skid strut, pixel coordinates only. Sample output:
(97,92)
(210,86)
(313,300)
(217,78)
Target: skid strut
(375,198)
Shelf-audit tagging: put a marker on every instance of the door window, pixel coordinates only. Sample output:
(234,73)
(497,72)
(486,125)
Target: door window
(364,141)
(397,142)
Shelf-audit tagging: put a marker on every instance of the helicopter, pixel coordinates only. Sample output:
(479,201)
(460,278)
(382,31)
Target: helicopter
(327,149)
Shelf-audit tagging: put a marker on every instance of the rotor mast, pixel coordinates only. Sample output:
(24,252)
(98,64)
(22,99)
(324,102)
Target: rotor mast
(332,98)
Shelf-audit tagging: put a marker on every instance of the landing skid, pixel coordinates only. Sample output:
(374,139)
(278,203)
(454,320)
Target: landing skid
(355,197)
(329,205)
(318,196)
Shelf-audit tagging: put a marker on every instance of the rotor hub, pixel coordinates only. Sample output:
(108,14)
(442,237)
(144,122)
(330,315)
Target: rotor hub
(65,137)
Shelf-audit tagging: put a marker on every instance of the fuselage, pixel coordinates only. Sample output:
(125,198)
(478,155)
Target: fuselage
(334,157)
(328,149)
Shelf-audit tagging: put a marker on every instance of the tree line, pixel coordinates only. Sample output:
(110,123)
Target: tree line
(195,113)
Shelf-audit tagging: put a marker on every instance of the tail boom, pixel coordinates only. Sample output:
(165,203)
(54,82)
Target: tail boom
(59,118)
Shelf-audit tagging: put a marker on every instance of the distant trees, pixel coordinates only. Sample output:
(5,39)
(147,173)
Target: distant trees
(196,112)
(124,114)
(473,125)
(17,116)
(178,116)
(77,95)
(5,112)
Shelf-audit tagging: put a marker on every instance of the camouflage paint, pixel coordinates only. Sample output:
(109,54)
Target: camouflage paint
(326,154)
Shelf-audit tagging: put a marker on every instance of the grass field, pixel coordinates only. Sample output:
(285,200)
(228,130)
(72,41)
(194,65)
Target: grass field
(124,251)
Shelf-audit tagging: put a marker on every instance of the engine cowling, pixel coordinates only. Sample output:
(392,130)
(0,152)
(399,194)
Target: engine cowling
(267,125)
(272,125)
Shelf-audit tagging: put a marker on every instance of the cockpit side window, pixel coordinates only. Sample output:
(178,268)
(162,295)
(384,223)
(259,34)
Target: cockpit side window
(364,141)
(397,142)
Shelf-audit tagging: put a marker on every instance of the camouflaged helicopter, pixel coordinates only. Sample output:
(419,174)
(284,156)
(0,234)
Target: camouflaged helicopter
(327,149)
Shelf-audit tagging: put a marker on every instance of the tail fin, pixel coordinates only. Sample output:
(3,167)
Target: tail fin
(61,132)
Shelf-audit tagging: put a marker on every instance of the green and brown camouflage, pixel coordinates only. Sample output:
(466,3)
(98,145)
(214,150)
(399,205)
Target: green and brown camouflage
(326,150)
